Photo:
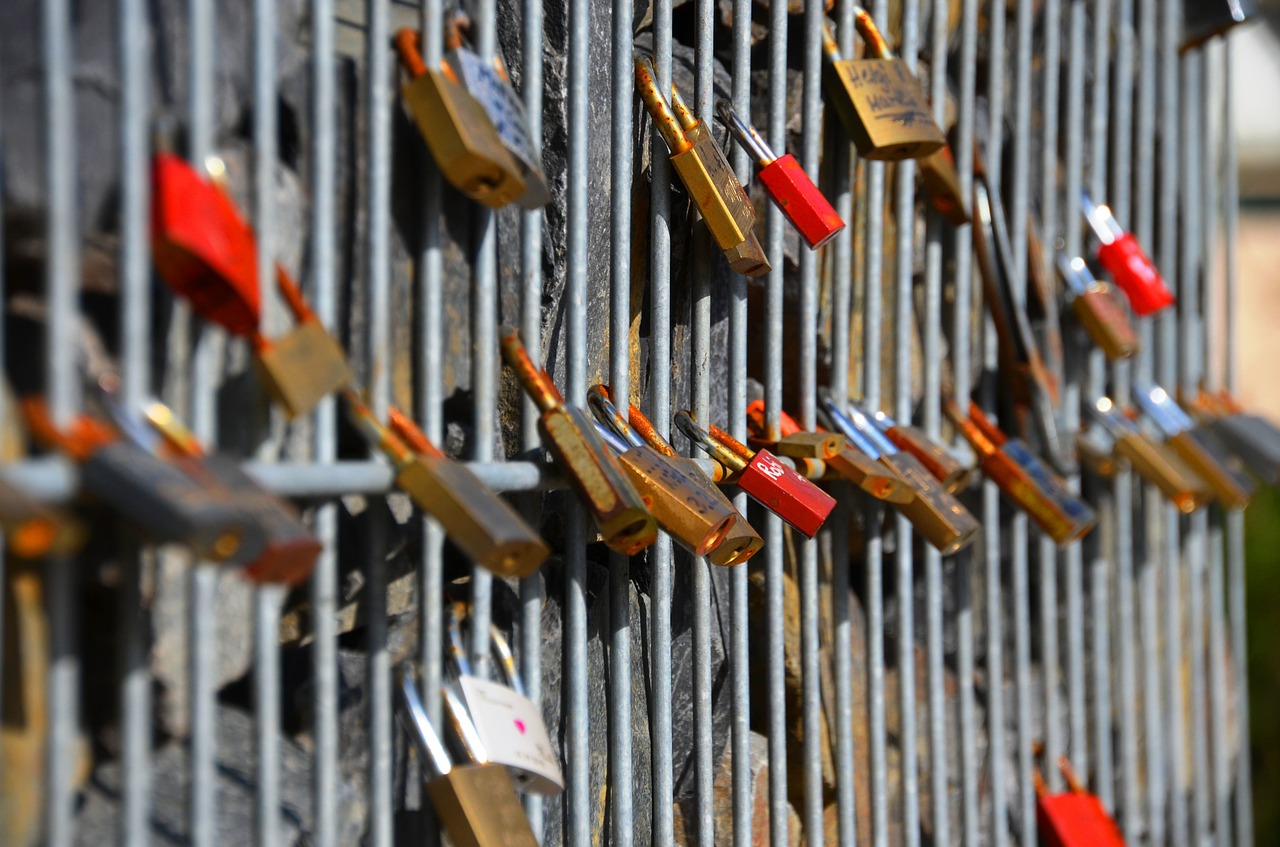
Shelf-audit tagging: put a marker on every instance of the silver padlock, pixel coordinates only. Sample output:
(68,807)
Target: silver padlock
(508,724)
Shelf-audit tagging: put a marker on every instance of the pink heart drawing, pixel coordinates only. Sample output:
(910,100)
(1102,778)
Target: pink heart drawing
(520,726)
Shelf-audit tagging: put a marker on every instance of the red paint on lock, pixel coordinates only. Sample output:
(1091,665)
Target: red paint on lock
(1135,273)
(201,246)
(800,200)
(793,498)
(1076,819)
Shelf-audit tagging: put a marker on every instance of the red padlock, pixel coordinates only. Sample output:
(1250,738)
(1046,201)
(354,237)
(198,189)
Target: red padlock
(201,246)
(1126,261)
(772,484)
(786,183)
(1074,818)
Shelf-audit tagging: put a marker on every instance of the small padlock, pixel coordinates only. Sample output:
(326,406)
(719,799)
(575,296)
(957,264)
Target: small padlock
(463,140)
(1222,471)
(942,183)
(1123,257)
(937,459)
(741,542)
(765,479)
(1074,818)
(711,182)
(878,99)
(696,520)
(1098,311)
(1155,463)
(849,462)
(1253,438)
(589,466)
(1206,19)
(934,511)
(475,803)
(33,530)
(786,183)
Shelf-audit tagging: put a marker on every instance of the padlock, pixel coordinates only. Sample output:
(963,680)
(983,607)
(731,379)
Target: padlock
(1097,452)
(741,542)
(934,511)
(1074,818)
(1222,471)
(33,529)
(588,465)
(1206,19)
(1098,311)
(880,102)
(464,142)
(507,722)
(164,499)
(290,550)
(475,803)
(850,462)
(770,483)
(485,526)
(786,183)
(688,512)
(1155,463)
(1123,257)
(711,182)
(1253,438)
(942,183)
(1033,488)
(490,85)
(937,459)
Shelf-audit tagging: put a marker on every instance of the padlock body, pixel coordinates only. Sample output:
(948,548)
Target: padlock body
(1135,274)
(747,258)
(714,188)
(697,521)
(790,496)
(933,511)
(791,189)
(594,472)
(202,248)
(937,460)
(1161,467)
(1014,482)
(1104,319)
(810,445)
(741,542)
(478,807)
(1232,487)
(1255,440)
(511,729)
(884,109)
(302,367)
(1076,819)
(876,479)
(942,184)
(462,139)
(476,518)
(1096,454)
(1077,518)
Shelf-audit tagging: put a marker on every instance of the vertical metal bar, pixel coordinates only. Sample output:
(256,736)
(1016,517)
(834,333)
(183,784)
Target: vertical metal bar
(267,603)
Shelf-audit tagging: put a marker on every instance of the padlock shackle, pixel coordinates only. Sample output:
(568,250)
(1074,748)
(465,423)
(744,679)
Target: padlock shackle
(659,109)
(463,726)
(609,437)
(1104,224)
(609,415)
(713,448)
(830,49)
(988,427)
(729,441)
(83,437)
(684,114)
(1069,774)
(377,435)
(840,422)
(862,422)
(1161,408)
(408,432)
(501,649)
(972,433)
(1075,273)
(874,44)
(406,44)
(746,135)
(645,428)
(457,648)
(419,725)
(171,428)
(536,383)
(1112,419)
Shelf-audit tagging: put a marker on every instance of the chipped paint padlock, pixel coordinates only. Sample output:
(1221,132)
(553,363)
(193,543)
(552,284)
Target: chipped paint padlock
(1098,311)
(741,541)
(475,802)
(1123,257)
(937,459)
(32,529)
(770,483)
(589,466)
(711,182)
(1155,463)
(490,85)
(786,183)
(485,526)
(1203,20)
(1075,817)
(464,142)
(879,100)
(695,519)
(508,723)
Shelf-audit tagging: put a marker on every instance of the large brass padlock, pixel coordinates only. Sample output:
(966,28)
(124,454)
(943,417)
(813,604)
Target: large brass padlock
(879,100)
(457,130)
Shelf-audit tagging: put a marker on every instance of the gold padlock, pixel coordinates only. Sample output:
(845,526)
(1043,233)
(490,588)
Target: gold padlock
(1098,311)
(937,459)
(457,130)
(942,183)
(712,184)
(878,99)
(1154,462)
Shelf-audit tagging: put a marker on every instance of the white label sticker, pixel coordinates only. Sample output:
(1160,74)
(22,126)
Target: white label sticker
(513,733)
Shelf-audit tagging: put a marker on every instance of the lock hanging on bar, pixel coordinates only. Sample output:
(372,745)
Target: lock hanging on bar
(1098,311)
(711,182)
(33,530)
(1252,438)
(937,459)
(464,142)
(589,466)
(786,183)
(878,99)
(1123,257)
(1074,818)
(476,803)
(1155,463)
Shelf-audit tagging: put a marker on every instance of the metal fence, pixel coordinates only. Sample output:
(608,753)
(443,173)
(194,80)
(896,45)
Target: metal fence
(1125,652)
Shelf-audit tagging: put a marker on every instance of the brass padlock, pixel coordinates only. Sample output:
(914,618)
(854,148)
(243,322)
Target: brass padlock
(937,459)
(32,529)
(589,466)
(1098,310)
(942,183)
(476,803)
(878,99)
(1155,463)
(475,518)
(305,364)
(457,130)
(710,180)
